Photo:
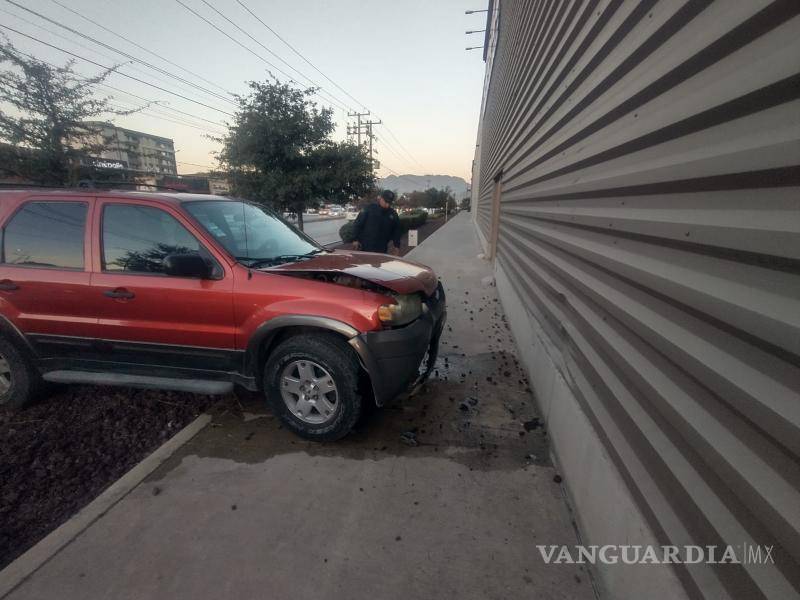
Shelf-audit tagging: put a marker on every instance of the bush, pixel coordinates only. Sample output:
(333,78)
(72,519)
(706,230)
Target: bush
(413,220)
(346,232)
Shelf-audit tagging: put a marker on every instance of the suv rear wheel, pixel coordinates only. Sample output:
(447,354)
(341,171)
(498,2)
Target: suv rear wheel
(19,381)
(311,383)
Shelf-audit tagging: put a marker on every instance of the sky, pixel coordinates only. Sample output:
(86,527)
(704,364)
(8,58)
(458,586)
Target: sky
(403,60)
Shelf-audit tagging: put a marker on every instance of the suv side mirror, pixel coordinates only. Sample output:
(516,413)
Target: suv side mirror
(186,265)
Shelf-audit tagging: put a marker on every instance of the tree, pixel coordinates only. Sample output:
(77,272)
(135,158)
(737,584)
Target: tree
(432,198)
(278,152)
(51,130)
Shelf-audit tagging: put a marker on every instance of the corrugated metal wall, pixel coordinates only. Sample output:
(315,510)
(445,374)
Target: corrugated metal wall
(650,221)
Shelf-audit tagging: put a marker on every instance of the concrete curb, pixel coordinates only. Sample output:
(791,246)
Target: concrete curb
(27,564)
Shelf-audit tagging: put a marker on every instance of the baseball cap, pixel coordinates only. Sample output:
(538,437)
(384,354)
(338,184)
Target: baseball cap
(388,195)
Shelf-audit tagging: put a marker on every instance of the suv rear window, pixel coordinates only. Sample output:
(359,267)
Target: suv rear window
(136,239)
(46,234)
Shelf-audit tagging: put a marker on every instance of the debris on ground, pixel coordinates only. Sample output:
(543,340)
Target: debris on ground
(534,423)
(409,438)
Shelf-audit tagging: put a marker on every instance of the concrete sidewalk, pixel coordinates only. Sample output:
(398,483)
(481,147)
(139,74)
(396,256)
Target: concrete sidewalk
(246,510)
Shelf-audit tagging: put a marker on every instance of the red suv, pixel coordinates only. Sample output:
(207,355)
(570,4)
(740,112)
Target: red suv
(200,293)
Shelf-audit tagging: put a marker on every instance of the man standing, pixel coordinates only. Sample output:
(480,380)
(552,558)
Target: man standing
(377,225)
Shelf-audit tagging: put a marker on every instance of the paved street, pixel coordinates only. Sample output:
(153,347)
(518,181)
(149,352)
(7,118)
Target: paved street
(324,231)
(246,510)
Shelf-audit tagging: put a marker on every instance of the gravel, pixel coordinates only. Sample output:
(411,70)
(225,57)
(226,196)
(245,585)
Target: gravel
(57,455)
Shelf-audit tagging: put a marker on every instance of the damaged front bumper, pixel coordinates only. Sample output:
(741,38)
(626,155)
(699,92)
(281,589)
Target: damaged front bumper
(393,357)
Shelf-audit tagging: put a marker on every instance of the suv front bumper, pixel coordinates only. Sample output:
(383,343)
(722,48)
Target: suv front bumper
(392,357)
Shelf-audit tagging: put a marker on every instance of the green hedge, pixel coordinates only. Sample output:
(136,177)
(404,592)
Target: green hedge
(412,220)
(346,232)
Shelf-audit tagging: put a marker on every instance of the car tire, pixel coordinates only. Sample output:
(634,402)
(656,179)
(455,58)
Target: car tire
(326,360)
(21,381)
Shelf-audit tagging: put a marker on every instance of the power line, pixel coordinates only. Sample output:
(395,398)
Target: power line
(209,167)
(76,43)
(298,53)
(234,40)
(403,147)
(392,150)
(159,103)
(123,53)
(293,49)
(115,71)
(169,118)
(166,60)
(333,99)
(237,42)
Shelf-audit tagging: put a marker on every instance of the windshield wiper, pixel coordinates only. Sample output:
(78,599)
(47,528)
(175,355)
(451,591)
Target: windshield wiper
(260,262)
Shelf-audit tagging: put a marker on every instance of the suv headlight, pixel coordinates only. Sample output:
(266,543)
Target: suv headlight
(407,308)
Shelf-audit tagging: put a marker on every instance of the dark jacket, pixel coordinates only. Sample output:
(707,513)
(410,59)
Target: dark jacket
(375,227)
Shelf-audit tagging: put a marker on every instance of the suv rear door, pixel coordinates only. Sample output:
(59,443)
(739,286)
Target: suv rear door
(45,266)
(147,316)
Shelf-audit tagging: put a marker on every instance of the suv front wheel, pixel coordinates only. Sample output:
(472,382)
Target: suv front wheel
(19,381)
(311,383)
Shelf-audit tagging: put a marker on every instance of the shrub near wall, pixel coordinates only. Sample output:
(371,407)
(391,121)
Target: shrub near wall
(408,221)
(413,220)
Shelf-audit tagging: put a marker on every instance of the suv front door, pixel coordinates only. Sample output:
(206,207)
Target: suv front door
(148,317)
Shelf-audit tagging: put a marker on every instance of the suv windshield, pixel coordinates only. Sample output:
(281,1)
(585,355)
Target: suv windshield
(252,234)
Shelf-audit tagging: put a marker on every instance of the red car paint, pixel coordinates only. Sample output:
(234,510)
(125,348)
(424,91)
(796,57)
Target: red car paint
(401,276)
(221,313)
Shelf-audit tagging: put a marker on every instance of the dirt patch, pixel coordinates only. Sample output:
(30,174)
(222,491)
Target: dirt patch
(59,454)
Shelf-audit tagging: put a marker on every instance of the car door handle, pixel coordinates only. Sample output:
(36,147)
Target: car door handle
(120,293)
(8,286)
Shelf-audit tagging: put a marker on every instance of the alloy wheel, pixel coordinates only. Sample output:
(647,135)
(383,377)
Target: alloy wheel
(309,392)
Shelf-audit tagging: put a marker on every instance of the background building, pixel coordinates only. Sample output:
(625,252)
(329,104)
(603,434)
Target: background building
(139,151)
(636,184)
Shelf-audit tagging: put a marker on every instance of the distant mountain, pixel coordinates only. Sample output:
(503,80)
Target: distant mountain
(403,184)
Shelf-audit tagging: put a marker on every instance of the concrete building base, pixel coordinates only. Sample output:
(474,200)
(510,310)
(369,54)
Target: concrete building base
(604,508)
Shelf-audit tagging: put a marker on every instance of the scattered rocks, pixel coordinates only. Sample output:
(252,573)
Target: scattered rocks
(409,438)
(534,423)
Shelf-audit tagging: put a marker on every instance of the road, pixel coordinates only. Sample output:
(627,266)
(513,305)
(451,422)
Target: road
(325,231)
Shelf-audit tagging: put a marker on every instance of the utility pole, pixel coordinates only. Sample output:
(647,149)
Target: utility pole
(368,124)
(356,129)
(365,128)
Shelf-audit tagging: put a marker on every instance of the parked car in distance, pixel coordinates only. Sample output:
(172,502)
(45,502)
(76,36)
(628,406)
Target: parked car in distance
(351,214)
(201,293)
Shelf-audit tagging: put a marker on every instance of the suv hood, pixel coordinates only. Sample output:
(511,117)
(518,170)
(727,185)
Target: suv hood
(400,276)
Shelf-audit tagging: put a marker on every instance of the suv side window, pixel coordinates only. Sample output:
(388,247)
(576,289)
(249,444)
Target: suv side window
(136,238)
(46,234)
